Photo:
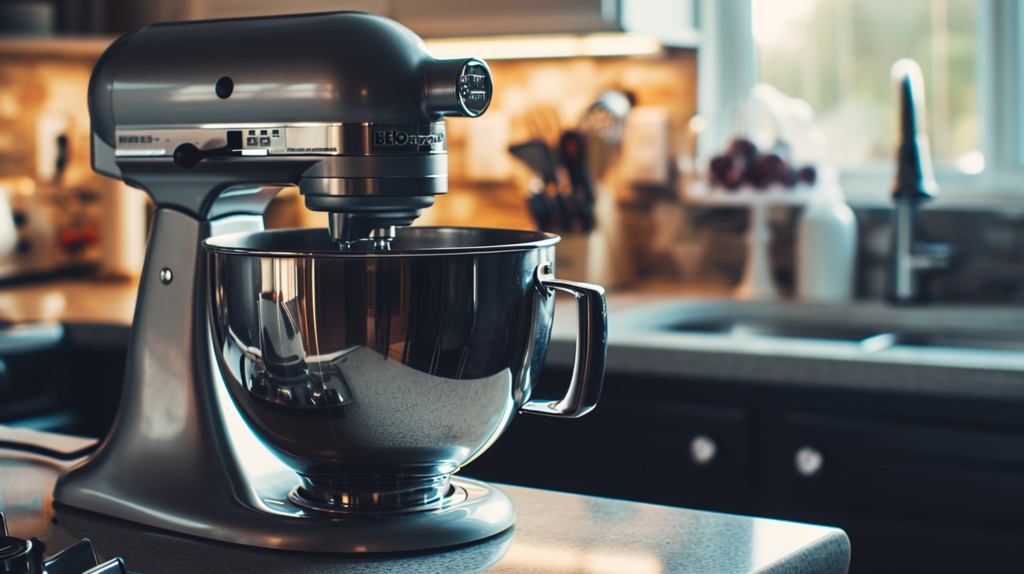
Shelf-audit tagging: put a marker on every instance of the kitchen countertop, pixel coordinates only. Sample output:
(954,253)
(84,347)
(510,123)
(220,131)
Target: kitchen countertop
(641,343)
(554,532)
(78,301)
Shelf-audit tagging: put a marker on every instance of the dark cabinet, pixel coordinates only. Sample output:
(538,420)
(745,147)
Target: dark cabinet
(460,18)
(672,23)
(899,469)
(913,495)
(920,483)
(64,379)
(674,453)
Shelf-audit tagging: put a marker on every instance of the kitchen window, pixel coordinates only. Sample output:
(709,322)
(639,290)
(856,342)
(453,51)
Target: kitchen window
(836,55)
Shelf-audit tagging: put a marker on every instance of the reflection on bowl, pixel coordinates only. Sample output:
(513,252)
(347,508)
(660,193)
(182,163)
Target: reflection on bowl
(376,375)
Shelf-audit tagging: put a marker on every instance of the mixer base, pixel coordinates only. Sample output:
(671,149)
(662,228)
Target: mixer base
(476,510)
(479,511)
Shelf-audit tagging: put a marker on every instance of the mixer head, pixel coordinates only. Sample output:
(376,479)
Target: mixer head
(214,117)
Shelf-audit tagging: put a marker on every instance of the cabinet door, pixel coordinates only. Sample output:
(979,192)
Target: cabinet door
(461,18)
(857,465)
(679,454)
(686,454)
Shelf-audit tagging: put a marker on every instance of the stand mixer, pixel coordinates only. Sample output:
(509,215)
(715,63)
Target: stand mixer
(314,390)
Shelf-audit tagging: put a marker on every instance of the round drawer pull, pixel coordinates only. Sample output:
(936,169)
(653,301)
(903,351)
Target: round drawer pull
(808,461)
(703,449)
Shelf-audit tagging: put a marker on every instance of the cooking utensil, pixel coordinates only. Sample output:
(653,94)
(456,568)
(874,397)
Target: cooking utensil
(573,148)
(538,156)
(568,212)
(606,118)
(544,123)
(548,206)
(603,125)
(541,205)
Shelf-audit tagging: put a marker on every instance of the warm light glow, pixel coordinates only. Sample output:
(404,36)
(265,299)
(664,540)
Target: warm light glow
(559,558)
(523,47)
(697,124)
(972,162)
(782,24)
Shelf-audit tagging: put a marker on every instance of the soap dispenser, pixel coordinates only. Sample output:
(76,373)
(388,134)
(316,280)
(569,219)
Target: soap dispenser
(826,250)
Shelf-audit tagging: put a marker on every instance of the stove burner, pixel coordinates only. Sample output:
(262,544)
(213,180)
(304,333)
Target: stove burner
(11,547)
(19,556)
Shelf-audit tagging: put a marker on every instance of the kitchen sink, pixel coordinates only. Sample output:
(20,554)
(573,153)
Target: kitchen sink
(872,326)
(780,327)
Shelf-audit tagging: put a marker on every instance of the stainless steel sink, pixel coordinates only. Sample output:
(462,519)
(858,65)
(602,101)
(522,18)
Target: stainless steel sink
(872,326)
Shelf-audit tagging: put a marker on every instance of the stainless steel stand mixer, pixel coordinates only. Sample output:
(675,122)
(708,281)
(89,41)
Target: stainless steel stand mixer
(314,389)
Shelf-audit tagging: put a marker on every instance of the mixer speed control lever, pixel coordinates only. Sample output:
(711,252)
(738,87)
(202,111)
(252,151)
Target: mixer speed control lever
(188,155)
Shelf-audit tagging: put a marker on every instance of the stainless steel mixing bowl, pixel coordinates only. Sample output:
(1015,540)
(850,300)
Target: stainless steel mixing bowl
(375,375)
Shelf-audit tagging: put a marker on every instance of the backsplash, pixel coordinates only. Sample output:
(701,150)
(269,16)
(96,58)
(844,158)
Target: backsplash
(67,217)
(988,260)
(539,99)
(709,247)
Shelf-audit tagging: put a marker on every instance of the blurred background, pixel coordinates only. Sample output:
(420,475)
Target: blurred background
(725,168)
(687,70)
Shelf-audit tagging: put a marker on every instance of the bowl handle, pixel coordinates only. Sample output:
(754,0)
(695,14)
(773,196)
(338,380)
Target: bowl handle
(591,348)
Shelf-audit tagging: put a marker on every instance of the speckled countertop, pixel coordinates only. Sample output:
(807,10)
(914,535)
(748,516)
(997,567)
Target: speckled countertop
(554,532)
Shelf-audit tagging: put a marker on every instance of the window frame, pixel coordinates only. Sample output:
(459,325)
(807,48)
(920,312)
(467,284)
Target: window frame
(727,70)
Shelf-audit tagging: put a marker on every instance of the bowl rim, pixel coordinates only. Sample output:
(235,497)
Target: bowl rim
(235,244)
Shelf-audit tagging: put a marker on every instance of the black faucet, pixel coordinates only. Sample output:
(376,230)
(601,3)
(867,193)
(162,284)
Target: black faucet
(915,184)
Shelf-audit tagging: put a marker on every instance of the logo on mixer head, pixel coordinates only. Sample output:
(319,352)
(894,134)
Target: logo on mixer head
(135,139)
(397,138)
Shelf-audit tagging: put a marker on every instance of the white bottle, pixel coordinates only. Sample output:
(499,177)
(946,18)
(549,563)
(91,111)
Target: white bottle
(826,248)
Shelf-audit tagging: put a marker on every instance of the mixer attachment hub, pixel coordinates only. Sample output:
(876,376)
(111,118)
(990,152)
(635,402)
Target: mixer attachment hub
(365,232)
(408,495)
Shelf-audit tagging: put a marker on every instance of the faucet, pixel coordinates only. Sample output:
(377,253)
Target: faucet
(914,185)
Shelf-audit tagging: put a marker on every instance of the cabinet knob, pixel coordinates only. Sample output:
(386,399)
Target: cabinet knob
(808,460)
(703,449)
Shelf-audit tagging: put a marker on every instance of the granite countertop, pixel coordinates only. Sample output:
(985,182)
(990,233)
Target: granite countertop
(554,532)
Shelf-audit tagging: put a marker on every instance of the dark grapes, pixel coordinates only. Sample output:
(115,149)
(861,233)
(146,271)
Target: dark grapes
(743,147)
(744,164)
(765,170)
